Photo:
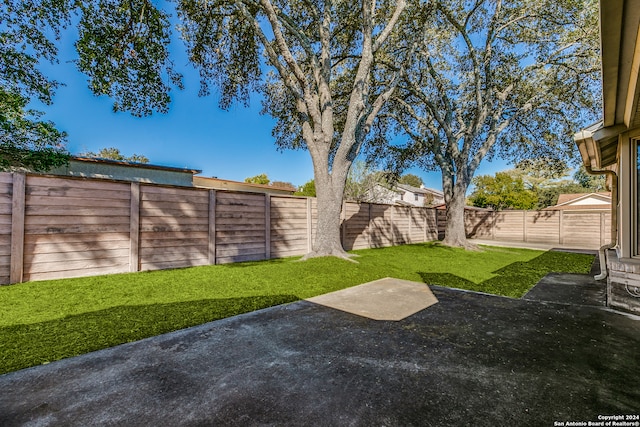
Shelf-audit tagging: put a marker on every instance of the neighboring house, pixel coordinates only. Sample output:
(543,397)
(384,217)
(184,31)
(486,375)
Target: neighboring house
(225,184)
(612,147)
(86,167)
(382,194)
(405,195)
(583,202)
(422,196)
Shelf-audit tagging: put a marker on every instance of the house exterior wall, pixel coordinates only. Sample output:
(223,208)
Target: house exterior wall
(122,172)
(623,281)
(612,146)
(410,198)
(591,201)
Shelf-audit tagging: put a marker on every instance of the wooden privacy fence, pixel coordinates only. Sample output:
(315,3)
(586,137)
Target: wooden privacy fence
(54,227)
(577,229)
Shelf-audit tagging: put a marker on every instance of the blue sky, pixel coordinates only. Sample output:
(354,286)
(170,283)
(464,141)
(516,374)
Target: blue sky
(196,134)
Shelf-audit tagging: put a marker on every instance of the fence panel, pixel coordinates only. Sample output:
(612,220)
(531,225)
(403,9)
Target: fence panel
(288,226)
(418,225)
(6,192)
(75,228)
(478,224)
(173,227)
(543,226)
(509,226)
(581,229)
(355,226)
(401,224)
(240,227)
(381,226)
(432,224)
(441,216)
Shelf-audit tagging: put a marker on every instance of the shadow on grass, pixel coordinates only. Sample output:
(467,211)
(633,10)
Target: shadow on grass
(34,344)
(516,279)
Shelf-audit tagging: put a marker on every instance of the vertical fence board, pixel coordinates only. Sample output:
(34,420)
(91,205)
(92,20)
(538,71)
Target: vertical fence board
(17,228)
(212,227)
(6,202)
(134,229)
(267,226)
(309,225)
(602,229)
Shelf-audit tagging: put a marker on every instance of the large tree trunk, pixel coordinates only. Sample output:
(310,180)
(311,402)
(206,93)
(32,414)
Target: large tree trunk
(455,230)
(329,194)
(327,241)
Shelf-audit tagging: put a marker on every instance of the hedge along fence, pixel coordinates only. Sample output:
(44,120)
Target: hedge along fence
(58,227)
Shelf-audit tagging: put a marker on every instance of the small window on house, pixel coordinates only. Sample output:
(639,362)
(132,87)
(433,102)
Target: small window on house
(415,197)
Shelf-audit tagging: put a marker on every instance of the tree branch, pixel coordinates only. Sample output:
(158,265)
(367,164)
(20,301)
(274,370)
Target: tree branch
(382,37)
(281,42)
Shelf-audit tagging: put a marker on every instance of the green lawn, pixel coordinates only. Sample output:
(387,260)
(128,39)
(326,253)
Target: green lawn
(50,320)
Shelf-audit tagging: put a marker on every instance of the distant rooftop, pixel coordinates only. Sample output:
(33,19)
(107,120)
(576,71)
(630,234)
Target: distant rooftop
(134,164)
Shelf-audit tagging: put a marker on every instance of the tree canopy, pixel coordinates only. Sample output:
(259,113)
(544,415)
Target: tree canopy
(465,81)
(284,185)
(364,184)
(28,27)
(490,78)
(502,191)
(325,70)
(541,181)
(307,189)
(113,153)
(411,179)
(258,179)
(590,182)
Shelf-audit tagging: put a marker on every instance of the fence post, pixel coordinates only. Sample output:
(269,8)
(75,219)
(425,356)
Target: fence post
(494,219)
(212,227)
(369,227)
(560,228)
(343,225)
(17,228)
(602,230)
(267,225)
(424,213)
(134,228)
(524,226)
(393,226)
(410,239)
(309,226)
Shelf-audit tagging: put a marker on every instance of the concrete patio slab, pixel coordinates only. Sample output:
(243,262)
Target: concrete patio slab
(471,359)
(575,289)
(383,299)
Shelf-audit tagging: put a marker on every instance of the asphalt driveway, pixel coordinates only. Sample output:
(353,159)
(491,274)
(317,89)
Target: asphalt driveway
(470,359)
